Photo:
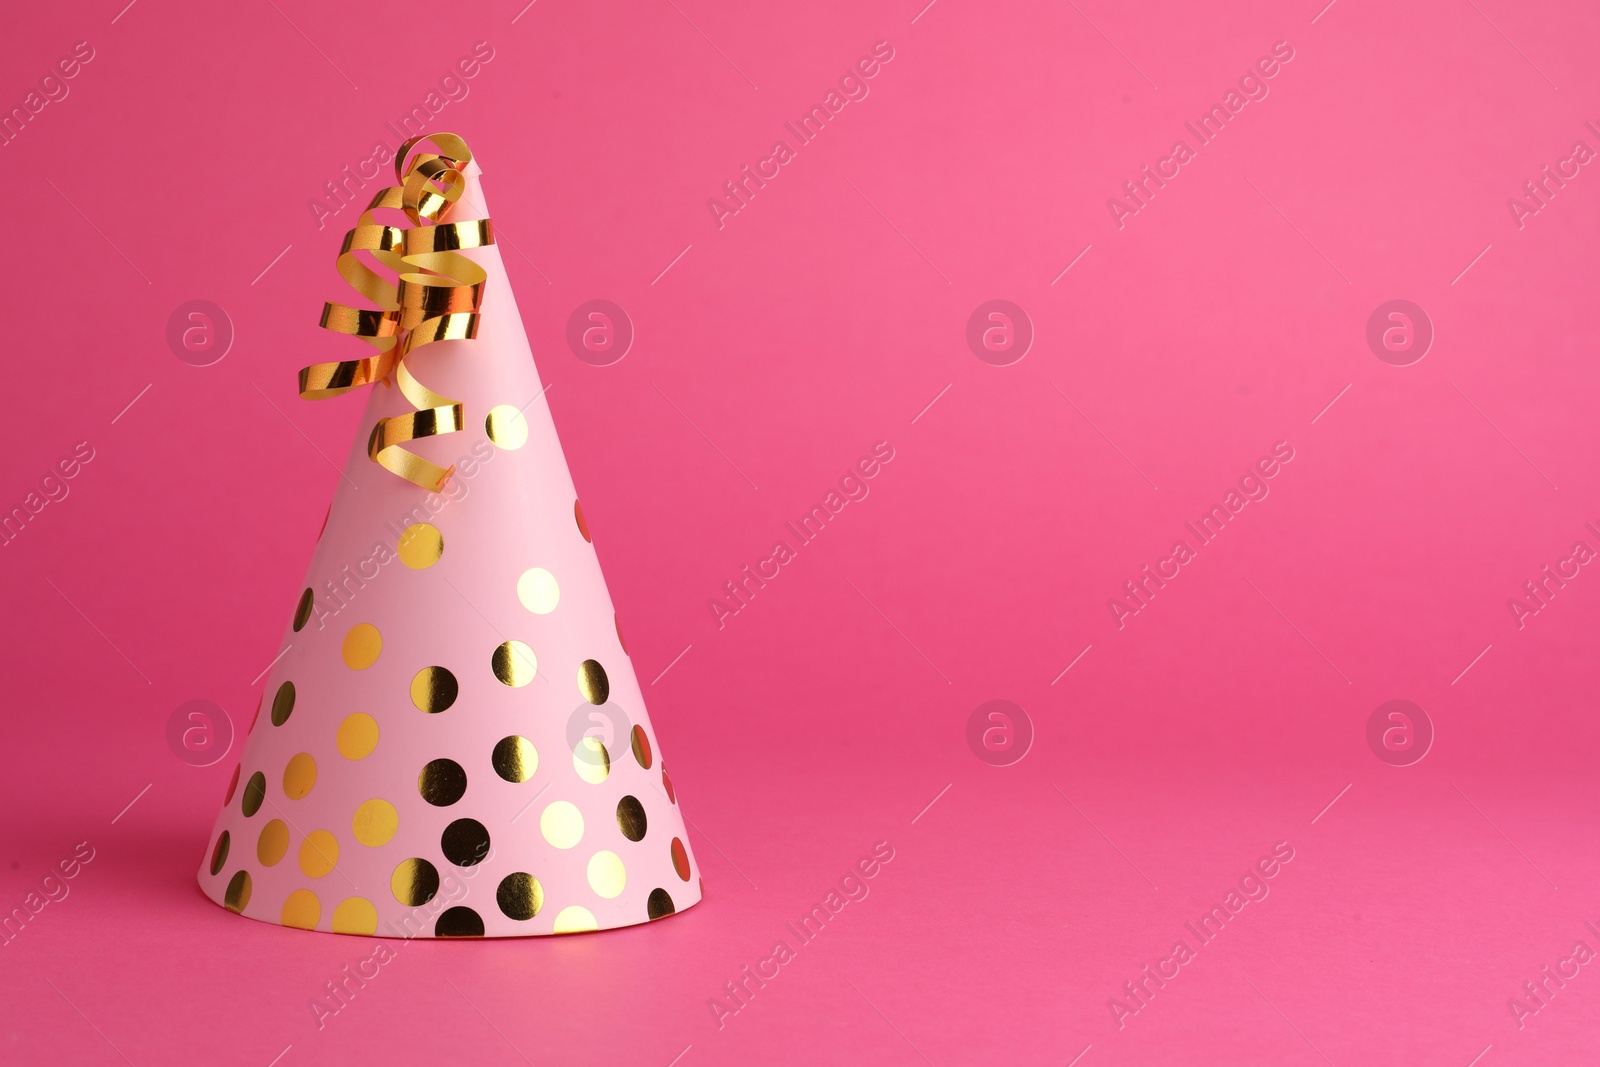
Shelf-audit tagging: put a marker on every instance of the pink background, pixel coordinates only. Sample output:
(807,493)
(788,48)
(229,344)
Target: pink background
(825,716)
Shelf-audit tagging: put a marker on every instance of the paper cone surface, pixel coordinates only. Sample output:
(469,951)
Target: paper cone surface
(454,742)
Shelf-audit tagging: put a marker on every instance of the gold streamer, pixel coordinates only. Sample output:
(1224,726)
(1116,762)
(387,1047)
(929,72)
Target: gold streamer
(437,297)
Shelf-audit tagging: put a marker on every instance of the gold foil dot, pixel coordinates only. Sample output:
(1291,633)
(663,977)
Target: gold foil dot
(302,611)
(641,748)
(375,822)
(433,690)
(583,527)
(233,783)
(302,909)
(562,824)
(659,904)
(631,818)
(319,852)
(299,776)
(465,842)
(441,782)
(607,875)
(459,921)
(355,915)
(506,427)
(538,590)
(680,859)
(219,854)
(575,920)
(520,896)
(666,785)
(255,791)
(237,896)
(616,620)
(592,682)
(421,545)
(362,645)
(357,736)
(414,882)
(514,664)
(273,843)
(515,758)
(591,760)
(283,704)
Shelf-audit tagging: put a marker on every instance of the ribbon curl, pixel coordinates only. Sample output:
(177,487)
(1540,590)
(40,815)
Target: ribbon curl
(437,298)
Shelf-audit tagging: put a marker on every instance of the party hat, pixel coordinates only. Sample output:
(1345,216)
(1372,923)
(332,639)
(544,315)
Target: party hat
(455,743)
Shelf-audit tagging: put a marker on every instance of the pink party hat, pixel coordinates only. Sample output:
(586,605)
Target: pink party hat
(455,743)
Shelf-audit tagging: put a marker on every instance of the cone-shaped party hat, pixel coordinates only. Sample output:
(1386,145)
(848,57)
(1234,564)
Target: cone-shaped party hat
(454,742)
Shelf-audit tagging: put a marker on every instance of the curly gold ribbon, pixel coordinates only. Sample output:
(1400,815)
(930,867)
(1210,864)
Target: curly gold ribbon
(437,298)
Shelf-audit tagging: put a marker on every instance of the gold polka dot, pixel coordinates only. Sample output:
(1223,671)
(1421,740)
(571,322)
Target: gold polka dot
(575,920)
(302,611)
(441,782)
(302,910)
(318,853)
(592,682)
(361,646)
(606,874)
(631,819)
(514,664)
(433,689)
(421,545)
(659,904)
(506,427)
(458,922)
(520,896)
(591,760)
(538,590)
(237,897)
(680,859)
(299,776)
(641,748)
(255,791)
(583,527)
(219,854)
(355,915)
(515,758)
(282,704)
(357,736)
(414,882)
(465,842)
(273,843)
(562,824)
(375,822)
